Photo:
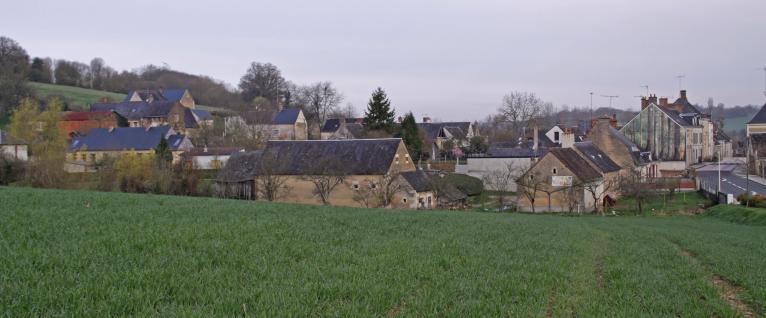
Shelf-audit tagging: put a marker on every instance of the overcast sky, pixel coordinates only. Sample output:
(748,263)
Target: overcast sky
(447,59)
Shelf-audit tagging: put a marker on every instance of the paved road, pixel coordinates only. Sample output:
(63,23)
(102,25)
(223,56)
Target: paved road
(731,183)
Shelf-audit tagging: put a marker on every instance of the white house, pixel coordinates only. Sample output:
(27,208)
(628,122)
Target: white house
(210,158)
(13,148)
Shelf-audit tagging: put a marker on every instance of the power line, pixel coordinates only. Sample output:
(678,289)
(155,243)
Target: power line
(610,98)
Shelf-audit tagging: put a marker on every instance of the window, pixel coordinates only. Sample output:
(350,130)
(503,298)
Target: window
(373,186)
(555,171)
(556,136)
(82,157)
(93,157)
(275,132)
(404,200)
(355,186)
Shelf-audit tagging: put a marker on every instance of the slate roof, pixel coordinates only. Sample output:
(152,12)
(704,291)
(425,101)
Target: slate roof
(200,114)
(760,116)
(189,120)
(575,163)
(513,152)
(320,157)
(6,139)
(213,151)
(597,157)
(432,130)
(676,116)
(419,180)
(240,167)
(124,138)
(333,124)
(287,116)
(169,94)
(83,116)
(136,110)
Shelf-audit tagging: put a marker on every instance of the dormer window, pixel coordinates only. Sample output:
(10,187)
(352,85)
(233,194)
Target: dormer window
(556,136)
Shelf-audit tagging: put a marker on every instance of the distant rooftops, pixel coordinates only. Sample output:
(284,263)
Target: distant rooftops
(125,138)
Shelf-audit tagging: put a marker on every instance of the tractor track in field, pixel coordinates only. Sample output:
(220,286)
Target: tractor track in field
(727,290)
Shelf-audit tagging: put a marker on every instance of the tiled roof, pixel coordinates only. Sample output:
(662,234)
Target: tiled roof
(136,110)
(419,180)
(320,157)
(287,116)
(169,94)
(760,117)
(241,166)
(597,157)
(125,138)
(635,152)
(332,125)
(575,163)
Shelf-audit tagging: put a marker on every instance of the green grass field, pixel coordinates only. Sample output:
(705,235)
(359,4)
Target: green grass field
(76,97)
(739,214)
(76,253)
(81,98)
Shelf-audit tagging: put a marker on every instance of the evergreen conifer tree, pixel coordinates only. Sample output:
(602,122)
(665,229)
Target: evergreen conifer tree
(379,115)
(410,134)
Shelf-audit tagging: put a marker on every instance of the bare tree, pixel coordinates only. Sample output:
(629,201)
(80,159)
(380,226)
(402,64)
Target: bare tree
(501,180)
(632,186)
(388,187)
(365,195)
(320,99)
(520,107)
(270,183)
(326,174)
(529,184)
(264,80)
(573,198)
(598,190)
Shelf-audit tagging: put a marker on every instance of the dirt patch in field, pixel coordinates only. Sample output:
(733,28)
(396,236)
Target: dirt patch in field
(599,272)
(551,303)
(728,291)
(394,312)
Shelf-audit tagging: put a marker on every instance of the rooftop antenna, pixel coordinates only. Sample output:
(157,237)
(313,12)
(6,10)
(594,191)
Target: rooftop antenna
(764,80)
(647,89)
(680,81)
(610,98)
(591,109)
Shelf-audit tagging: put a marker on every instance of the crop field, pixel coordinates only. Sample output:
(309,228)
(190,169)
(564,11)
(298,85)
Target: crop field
(77,253)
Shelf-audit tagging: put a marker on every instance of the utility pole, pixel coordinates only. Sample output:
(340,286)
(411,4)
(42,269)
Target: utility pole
(610,98)
(591,111)
(764,80)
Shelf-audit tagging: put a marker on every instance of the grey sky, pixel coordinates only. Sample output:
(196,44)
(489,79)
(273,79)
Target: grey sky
(448,59)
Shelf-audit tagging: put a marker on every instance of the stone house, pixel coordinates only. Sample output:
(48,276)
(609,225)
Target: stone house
(13,148)
(158,113)
(179,95)
(621,150)
(79,123)
(437,134)
(367,168)
(556,182)
(85,152)
(676,133)
(499,159)
(756,134)
(286,124)
(342,128)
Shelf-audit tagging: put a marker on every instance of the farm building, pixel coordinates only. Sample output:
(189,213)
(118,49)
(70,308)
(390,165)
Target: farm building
(286,124)
(438,134)
(179,95)
(145,114)
(12,147)
(210,158)
(342,128)
(86,151)
(73,124)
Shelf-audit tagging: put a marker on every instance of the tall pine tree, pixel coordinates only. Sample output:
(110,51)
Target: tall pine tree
(410,134)
(163,154)
(379,115)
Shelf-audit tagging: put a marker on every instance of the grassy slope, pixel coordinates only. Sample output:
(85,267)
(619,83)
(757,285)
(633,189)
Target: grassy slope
(736,123)
(682,202)
(105,254)
(81,98)
(739,214)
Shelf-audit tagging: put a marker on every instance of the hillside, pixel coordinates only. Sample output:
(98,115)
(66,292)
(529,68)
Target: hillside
(80,98)
(77,253)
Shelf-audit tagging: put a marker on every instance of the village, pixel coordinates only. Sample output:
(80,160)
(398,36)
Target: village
(379,161)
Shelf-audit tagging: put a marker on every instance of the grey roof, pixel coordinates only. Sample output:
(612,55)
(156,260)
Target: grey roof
(169,94)
(515,152)
(125,138)
(760,117)
(6,139)
(137,110)
(355,129)
(287,116)
(597,157)
(575,163)
(419,180)
(333,124)
(189,120)
(676,116)
(202,114)
(321,157)
(241,166)
(213,151)
(432,130)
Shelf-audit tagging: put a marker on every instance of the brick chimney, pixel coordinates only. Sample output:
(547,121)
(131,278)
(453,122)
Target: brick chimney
(653,99)
(426,119)
(683,94)
(644,102)
(664,101)
(613,121)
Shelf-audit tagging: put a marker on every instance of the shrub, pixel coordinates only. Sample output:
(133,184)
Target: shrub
(471,186)
(757,200)
(11,170)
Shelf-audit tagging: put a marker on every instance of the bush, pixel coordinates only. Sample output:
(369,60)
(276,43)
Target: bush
(11,170)
(469,185)
(758,201)
(738,214)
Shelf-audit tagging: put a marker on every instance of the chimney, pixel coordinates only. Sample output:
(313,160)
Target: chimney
(653,99)
(664,101)
(567,140)
(426,119)
(534,136)
(613,121)
(644,102)
(683,93)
